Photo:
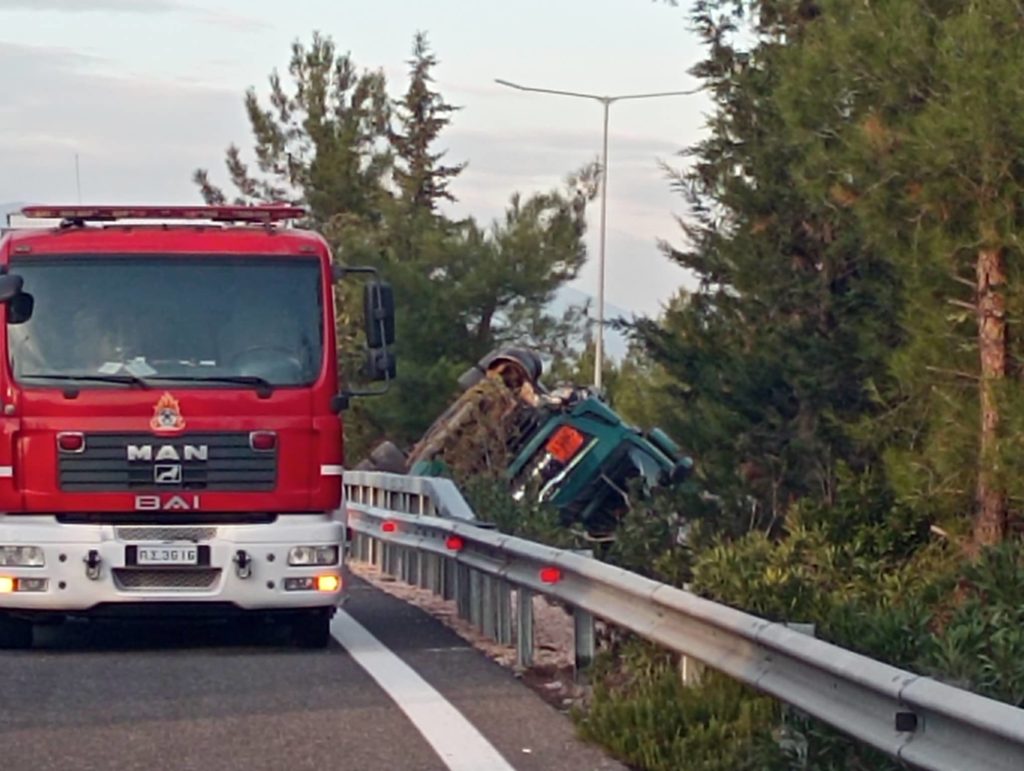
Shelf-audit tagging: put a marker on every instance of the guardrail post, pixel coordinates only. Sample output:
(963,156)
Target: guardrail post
(691,671)
(503,602)
(428,574)
(583,634)
(524,628)
(475,599)
(410,565)
(377,553)
(488,607)
(448,579)
(438,574)
(462,591)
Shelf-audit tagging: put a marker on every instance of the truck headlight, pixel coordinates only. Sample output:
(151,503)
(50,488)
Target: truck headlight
(313,555)
(22,557)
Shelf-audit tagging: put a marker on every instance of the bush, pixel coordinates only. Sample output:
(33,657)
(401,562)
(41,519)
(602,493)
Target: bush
(645,716)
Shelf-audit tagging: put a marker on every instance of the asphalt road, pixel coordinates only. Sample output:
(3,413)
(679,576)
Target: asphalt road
(181,696)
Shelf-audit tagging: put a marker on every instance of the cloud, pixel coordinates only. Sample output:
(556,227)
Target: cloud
(89,6)
(225,19)
(137,139)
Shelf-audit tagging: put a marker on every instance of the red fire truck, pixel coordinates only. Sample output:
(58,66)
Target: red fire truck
(170,440)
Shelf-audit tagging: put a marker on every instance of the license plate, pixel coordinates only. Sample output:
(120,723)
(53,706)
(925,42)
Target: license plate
(167,555)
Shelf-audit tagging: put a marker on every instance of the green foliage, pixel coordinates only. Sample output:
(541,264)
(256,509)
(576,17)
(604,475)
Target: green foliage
(980,644)
(770,361)
(917,134)
(826,372)
(421,116)
(368,168)
(489,498)
(642,712)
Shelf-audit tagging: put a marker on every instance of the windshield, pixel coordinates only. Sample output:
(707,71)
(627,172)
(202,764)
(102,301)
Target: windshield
(135,320)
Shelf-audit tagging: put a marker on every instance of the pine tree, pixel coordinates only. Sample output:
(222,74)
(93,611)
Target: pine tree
(368,169)
(321,144)
(919,134)
(773,355)
(422,114)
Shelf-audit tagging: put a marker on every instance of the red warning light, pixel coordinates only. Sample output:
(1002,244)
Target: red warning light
(550,575)
(454,543)
(261,213)
(388,527)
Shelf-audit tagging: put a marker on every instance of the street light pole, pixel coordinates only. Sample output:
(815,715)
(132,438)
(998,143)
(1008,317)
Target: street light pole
(606,103)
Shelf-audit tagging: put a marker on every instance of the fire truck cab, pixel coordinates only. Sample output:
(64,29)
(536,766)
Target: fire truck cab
(170,439)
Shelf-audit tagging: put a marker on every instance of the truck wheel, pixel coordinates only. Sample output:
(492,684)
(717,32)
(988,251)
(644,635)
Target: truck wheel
(312,630)
(387,457)
(15,633)
(471,377)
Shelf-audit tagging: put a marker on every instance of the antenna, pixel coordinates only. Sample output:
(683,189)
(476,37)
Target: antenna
(78,179)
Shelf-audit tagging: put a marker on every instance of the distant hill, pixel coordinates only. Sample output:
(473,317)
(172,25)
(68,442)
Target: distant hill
(615,343)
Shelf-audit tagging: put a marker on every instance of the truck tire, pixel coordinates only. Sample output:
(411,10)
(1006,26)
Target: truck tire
(15,633)
(312,630)
(387,457)
(471,377)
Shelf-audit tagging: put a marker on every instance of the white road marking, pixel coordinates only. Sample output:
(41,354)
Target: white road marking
(453,737)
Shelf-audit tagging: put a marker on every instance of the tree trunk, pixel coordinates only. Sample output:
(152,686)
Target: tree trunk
(483,329)
(990,518)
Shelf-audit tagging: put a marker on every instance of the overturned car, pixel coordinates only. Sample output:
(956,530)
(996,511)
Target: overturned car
(564,446)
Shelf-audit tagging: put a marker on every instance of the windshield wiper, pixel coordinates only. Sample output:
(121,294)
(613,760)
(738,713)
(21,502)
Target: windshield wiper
(125,379)
(262,386)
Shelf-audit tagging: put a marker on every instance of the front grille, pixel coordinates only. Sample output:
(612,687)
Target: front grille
(165,579)
(164,534)
(148,463)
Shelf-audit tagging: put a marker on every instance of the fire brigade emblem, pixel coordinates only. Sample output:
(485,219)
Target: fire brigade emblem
(167,415)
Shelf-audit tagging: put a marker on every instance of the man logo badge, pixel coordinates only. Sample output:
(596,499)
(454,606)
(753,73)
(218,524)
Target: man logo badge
(167,474)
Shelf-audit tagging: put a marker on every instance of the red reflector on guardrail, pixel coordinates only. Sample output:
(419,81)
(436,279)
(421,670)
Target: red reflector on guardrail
(454,543)
(550,575)
(388,527)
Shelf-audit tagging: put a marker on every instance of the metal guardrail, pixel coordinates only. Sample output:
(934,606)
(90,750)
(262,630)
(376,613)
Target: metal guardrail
(916,719)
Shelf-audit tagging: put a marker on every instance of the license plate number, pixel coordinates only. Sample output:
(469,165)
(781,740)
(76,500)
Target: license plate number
(167,555)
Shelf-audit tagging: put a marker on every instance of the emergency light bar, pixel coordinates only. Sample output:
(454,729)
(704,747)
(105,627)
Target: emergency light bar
(263,214)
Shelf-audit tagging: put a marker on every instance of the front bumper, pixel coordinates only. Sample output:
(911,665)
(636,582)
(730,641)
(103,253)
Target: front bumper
(253,581)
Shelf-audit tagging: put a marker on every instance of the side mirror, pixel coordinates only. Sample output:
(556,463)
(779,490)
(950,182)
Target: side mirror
(380,365)
(10,287)
(19,308)
(379,311)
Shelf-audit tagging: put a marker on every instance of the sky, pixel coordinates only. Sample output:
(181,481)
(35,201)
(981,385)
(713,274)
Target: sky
(145,91)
